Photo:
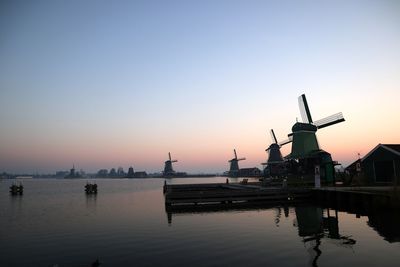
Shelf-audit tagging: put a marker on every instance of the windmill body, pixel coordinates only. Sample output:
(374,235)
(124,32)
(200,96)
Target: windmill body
(275,165)
(234,165)
(168,170)
(304,140)
(274,154)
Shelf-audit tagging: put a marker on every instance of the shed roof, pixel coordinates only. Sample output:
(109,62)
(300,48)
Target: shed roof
(393,148)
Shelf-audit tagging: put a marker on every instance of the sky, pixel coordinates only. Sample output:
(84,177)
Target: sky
(102,84)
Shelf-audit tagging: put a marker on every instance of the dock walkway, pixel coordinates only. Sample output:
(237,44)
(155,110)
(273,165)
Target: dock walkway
(222,193)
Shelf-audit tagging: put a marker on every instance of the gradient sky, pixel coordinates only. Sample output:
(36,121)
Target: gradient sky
(118,83)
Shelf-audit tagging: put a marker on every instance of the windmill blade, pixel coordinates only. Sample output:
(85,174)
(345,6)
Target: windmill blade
(304,109)
(169,155)
(241,159)
(273,137)
(330,120)
(234,151)
(175,160)
(287,141)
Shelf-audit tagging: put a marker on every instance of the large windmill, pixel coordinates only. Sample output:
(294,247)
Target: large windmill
(305,147)
(304,138)
(275,164)
(234,165)
(168,170)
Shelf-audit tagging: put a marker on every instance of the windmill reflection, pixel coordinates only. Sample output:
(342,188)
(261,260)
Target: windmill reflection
(313,227)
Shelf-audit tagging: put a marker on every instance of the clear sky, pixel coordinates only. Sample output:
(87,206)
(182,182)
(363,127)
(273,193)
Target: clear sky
(118,83)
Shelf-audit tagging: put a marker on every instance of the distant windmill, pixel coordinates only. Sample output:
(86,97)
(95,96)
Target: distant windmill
(168,170)
(234,165)
(303,133)
(275,163)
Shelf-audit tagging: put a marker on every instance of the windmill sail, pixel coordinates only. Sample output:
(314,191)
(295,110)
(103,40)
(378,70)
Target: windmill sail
(273,137)
(304,109)
(330,120)
(286,141)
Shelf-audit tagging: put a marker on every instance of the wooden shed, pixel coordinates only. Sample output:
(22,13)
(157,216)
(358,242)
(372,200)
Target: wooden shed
(381,166)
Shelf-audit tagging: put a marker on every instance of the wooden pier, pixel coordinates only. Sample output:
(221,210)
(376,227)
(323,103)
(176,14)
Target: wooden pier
(239,194)
(229,193)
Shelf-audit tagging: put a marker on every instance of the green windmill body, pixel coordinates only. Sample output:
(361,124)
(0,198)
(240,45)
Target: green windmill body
(304,140)
(305,147)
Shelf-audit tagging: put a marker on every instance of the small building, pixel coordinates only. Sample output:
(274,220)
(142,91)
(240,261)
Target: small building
(140,175)
(354,168)
(249,172)
(381,166)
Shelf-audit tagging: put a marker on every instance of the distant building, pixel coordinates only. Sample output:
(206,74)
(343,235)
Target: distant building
(120,172)
(102,173)
(140,175)
(249,172)
(61,173)
(112,173)
(73,173)
(354,168)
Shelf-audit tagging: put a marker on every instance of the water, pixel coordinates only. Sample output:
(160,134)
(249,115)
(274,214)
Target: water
(126,224)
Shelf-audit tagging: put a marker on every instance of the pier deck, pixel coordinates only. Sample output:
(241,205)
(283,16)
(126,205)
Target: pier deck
(237,193)
(221,193)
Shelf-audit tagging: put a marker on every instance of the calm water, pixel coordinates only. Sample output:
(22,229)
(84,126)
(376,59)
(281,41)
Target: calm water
(126,224)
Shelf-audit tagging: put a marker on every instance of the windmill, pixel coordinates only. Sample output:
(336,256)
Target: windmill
(168,170)
(275,164)
(303,133)
(234,165)
(305,148)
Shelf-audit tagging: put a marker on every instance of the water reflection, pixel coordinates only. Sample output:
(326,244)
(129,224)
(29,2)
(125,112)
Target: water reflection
(313,226)
(91,202)
(285,209)
(386,224)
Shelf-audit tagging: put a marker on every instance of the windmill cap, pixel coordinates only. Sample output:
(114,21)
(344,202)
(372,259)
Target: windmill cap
(299,126)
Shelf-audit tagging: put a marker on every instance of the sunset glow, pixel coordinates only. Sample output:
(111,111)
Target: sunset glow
(102,85)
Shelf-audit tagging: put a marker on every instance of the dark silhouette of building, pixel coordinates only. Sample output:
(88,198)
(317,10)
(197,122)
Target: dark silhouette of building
(73,173)
(140,175)
(381,166)
(103,173)
(250,172)
(131,173)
